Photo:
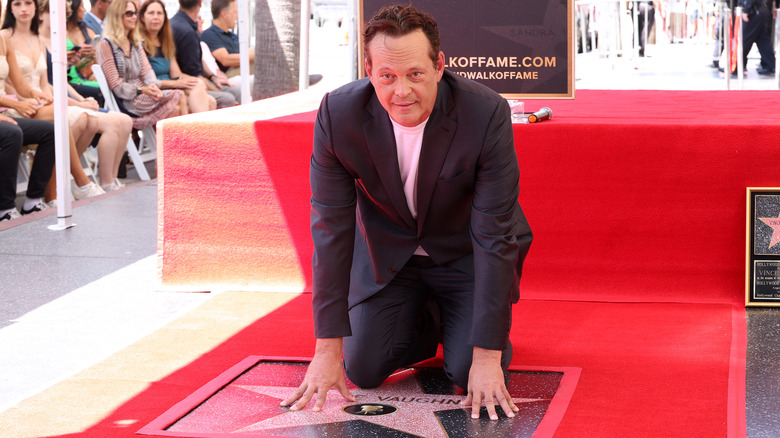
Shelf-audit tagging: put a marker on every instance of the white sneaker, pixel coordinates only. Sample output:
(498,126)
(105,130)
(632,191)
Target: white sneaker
(38,206)
(11,214)
(51,204)
(88,191)
(116,185)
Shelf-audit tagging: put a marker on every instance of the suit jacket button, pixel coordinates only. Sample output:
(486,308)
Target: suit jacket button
(393,270)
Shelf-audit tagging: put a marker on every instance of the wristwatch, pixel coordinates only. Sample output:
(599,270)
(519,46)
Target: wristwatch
(138,91)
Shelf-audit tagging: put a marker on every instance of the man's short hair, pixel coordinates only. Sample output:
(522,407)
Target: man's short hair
(400,20)
(217,6)
(93,2)
(188,4)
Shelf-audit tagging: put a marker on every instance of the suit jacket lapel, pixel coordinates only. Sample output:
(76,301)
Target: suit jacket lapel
(381,144)
(437,139)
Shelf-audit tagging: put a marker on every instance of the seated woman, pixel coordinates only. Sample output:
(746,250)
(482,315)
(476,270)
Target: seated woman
(16,132)
(128,72)
(114,127)
(159,46)
(79,35)
(20,29)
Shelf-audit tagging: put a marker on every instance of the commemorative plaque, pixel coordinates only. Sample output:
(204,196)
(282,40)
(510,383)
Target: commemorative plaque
(519,48)
(762,282)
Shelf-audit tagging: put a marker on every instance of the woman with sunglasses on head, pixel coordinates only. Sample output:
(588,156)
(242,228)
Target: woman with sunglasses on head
(21,29)
(128,72)
(158,43)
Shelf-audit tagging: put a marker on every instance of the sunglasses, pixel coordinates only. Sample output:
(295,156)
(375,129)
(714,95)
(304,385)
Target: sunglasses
(129,14)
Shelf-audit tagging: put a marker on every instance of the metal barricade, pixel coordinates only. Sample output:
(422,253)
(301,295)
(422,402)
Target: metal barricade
(600,22)
(727,45)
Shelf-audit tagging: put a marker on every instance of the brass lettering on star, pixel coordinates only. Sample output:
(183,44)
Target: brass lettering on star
(443,401)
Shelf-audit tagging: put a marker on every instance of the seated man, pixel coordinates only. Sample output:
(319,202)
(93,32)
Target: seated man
(190,57)
(97,14)
(15,133)
(222,41)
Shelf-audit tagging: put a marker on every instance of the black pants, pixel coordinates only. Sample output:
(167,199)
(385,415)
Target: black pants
(641,25)
(12,138)
(759,30)
(404,323)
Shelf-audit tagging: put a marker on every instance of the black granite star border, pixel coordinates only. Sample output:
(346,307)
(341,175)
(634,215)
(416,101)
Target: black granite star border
(425,404)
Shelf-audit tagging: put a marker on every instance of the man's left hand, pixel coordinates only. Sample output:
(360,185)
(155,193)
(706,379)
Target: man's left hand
(486,384)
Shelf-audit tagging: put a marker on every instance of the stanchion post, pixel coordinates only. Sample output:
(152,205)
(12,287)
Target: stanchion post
(636,46)
(303,73)
(727,45)
(243,51)
(646,27)
(583,25)
(740,50)
(61,129)
(592,34)
(777,47)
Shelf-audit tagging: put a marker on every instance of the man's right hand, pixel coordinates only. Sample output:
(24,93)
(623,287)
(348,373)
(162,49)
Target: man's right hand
(325,371)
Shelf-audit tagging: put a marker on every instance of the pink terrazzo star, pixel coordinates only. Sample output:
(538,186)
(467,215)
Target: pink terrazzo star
(773,222)
(415,414)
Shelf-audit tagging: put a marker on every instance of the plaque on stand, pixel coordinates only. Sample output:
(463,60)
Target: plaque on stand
(762,271)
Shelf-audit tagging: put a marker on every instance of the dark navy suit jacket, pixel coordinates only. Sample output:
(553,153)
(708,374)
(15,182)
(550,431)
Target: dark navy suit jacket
(467,190)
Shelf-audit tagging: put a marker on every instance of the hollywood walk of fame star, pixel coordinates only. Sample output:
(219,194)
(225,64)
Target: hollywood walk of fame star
(415,415)
(773,222)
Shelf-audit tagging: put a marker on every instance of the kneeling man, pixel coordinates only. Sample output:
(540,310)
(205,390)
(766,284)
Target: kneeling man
(418,234)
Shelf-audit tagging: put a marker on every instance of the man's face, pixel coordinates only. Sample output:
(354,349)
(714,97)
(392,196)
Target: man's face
(102,6)
(230,15)
(404,76)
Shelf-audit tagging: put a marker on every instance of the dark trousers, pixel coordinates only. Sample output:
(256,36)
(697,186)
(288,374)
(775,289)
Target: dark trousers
(642,26)
(759,30)
(404,323)
(12,138)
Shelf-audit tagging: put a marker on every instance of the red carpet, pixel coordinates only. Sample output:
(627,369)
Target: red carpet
(648,370)
(632,196)
(636,274)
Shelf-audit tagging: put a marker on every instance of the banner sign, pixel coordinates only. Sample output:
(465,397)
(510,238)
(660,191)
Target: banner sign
(519,48)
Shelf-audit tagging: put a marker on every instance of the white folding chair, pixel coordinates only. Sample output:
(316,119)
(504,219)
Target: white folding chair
(146,150)
(23,174)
